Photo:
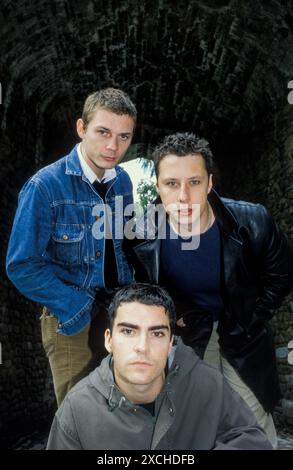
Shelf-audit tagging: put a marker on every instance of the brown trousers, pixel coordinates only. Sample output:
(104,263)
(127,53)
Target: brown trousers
(73,357)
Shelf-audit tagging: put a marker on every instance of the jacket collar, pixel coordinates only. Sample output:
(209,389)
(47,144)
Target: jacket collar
(73,166)
(227,223)
(102,377)
(224,217)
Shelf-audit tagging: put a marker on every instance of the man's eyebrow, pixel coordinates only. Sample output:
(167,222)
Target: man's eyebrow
(103,128)
(128,325)
(109,130)
(159,327)
(136,327)
(173,178)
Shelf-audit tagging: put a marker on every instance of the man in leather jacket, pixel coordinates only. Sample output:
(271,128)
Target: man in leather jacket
(226,288)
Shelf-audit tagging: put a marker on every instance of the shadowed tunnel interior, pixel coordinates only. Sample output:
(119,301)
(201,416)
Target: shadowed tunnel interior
(218,68)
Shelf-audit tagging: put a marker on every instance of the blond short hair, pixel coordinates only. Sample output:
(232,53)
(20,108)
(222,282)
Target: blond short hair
(111,99)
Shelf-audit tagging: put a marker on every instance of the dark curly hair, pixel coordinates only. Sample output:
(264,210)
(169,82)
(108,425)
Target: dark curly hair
(146,294)
(182,144)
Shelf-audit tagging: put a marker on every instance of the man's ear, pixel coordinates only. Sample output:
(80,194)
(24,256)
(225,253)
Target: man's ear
(80,128)
(210,183)
(108,340)
(171,343)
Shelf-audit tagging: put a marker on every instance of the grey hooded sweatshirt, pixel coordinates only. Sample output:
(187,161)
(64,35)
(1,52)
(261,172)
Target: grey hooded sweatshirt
(195,410)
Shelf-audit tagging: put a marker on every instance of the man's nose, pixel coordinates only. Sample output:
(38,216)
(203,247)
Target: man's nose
(112,143)
(183,193)
(141,343)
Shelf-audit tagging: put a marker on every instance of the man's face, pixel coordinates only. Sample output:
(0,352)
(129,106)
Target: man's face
(140,343)
(105,139)
(182,182)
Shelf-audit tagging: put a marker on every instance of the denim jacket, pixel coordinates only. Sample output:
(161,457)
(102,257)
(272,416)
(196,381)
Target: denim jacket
(56,249)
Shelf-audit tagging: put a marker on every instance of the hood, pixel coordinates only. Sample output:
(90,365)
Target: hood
(185,360)
(102,378)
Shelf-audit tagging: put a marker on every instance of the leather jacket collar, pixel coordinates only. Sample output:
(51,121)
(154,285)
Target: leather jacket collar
(227,223)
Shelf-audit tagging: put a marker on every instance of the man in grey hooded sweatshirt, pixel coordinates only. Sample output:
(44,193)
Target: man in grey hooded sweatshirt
(150,395)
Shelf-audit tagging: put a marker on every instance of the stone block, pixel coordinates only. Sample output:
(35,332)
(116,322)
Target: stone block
(287,407)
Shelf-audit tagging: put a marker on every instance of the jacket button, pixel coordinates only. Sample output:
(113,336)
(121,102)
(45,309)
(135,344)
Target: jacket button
(65,237)
(98,254)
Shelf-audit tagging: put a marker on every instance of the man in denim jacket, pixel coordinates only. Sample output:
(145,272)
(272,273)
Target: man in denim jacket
(59,255)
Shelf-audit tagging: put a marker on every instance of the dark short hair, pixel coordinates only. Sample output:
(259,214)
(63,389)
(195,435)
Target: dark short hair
(182,144)
(146,294)
(111,99)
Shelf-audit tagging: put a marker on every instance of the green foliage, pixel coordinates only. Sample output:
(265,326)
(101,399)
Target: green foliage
(147,165)
(147,192)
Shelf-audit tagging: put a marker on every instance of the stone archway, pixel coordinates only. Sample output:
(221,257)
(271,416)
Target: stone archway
(219,68)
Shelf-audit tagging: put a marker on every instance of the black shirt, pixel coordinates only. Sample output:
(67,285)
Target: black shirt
(110,265)
(194,273)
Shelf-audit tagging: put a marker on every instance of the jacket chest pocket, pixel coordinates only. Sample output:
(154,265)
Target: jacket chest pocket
(66,244)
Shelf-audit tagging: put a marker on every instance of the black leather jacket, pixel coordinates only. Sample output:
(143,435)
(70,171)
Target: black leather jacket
(256,276)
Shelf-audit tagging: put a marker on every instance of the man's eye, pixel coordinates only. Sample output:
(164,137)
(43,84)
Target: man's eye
(172,184)
(158,334)
(101,132)
(125,137)
(126,331)
(194,182)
